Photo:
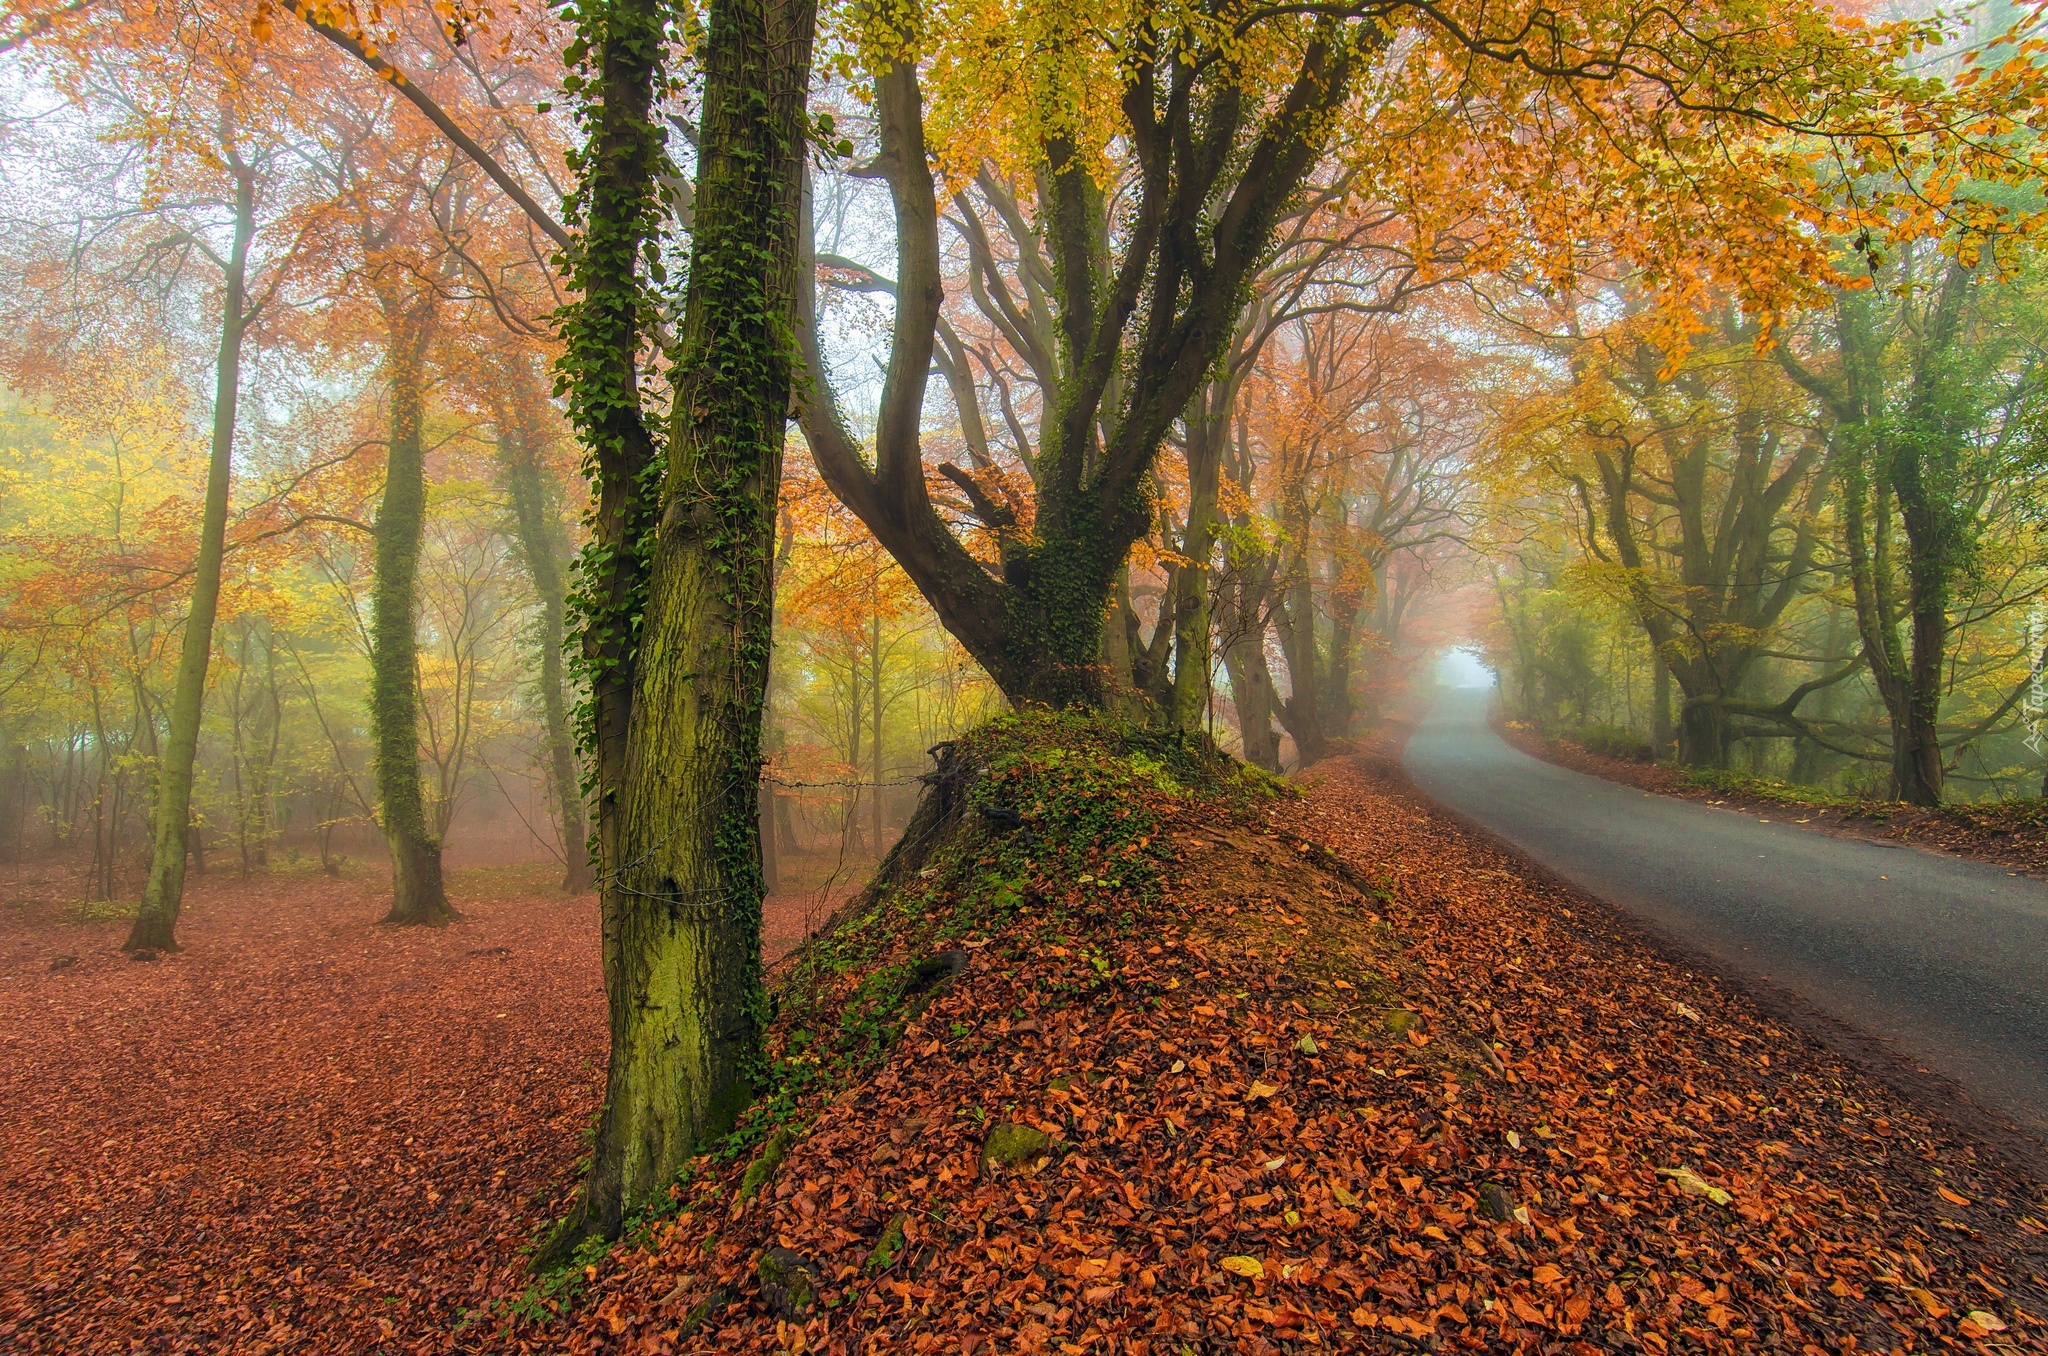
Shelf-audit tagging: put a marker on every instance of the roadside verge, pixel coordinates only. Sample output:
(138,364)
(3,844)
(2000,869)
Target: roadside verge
(2008,833)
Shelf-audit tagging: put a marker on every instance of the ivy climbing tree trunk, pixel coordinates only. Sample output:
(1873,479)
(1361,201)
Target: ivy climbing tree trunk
(417,893)
(1898,462)
(156,921)
(681,888)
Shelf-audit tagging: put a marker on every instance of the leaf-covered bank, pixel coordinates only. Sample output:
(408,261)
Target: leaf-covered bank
(2012,833)
(1132,1062)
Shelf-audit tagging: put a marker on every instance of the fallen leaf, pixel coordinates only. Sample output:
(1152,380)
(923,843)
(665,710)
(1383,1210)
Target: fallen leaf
(1985,1321)
(1951,1197)
(1260,1090)
(1926,1300)
(1249,1267)
(1547,1275)
(1692,1184)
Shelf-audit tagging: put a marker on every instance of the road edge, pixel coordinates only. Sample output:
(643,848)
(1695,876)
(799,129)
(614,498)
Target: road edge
(1938,1097)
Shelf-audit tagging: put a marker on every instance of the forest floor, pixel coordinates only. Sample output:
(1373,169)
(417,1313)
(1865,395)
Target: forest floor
(1406,1095)
(1270,1074)
(2008,833)
(303,1132)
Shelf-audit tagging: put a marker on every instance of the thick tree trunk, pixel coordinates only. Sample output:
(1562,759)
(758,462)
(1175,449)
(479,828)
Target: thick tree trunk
(1037,628)
(1053,652)
(1934,543)
(417,894)
(156,921)
(1251,692)
(682,890)
(1703,734)
(1302,712)
(1916,740)
(544,547)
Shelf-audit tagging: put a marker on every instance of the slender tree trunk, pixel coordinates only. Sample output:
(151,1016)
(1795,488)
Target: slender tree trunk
(1192,628)
(156,920)
(771,866)
(1660,703)
(682,888)
(785,828)
(417,894)
(1809,760)
(875,731)
(856,728)
(544,549)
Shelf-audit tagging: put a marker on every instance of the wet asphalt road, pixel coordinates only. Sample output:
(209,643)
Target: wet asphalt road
(1945,960)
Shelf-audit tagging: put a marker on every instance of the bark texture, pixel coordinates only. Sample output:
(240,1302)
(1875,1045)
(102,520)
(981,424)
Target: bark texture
(682,886)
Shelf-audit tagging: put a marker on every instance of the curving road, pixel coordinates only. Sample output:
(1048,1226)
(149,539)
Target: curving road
(1945,960)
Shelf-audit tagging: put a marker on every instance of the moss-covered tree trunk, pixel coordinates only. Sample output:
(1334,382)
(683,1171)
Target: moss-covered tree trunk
(156,921)
(1897,474)
(417,894)
(682,886)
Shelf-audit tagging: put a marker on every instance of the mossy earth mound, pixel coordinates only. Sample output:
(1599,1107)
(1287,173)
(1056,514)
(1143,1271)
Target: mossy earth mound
(972,1027)
(1200,1086)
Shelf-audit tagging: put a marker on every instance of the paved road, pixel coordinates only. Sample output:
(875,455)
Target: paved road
(1945,959)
